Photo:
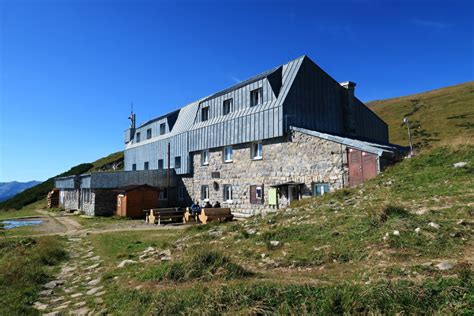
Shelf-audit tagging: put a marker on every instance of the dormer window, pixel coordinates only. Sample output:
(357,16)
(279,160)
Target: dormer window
(162,128)
(204,113)
(256,97)
(227,106)
(138,137)
(148,133)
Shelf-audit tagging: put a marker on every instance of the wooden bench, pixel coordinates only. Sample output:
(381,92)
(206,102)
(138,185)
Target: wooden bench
(215,214)
(157,215)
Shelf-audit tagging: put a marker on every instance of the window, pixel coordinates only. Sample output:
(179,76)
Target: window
(182,192)
(146,165)
(160,163)
(227,193)
(320,188)
(205,157)
(205,114)
(177,162)
(227,106)
(228,154)
(163,194)
(256,97)
(204,192)
(138,137)
(148,133)
(134,167)
(162,128)
(257,151)
(256,194)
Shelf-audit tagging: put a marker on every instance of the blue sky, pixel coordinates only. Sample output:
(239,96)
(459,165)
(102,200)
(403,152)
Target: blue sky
(70,69)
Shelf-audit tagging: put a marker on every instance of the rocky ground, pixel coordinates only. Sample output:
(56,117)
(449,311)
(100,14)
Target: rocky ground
(77,287)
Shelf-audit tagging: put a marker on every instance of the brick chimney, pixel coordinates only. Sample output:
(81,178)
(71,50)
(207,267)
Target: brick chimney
(348,106)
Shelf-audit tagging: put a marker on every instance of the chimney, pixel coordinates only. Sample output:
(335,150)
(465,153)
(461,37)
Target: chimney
(348,104)
(350,86)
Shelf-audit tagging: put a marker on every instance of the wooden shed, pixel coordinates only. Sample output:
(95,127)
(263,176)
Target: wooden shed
(132,200)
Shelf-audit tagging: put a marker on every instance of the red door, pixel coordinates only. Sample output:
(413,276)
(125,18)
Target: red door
(355,167)
(362,166)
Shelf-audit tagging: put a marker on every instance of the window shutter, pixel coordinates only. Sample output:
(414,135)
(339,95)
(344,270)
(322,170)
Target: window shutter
(253,194)
(263,197)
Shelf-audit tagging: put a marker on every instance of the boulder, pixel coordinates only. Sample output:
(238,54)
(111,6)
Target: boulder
(444,265)
(126,262)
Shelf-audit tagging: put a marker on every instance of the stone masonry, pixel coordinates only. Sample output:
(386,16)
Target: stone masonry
(298,157)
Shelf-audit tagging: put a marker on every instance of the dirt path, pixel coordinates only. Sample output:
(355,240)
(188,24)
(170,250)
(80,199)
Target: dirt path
(77,288)
(58,224)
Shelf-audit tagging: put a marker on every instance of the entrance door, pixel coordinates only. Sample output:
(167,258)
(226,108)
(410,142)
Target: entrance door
(293,193)
(362,166)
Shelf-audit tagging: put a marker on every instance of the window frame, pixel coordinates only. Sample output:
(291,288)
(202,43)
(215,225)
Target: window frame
(229,102)
(148,133)
(321,185)
(205,109)
(225,154)
(259,92)
(226,188)
(176,159)
(181,192)
(138,137)
(163,195)
(204,191)
(255,198)
(146,165)
(205,153)
(162,128)
(254,150)
(162,164)
(134,167)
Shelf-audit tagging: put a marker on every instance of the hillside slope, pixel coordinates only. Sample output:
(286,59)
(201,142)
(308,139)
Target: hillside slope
(9,189)
(437,116)
(40,191)
(401,243)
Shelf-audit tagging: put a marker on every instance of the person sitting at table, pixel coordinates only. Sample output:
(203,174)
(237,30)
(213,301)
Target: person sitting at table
(217,205)
(207,205)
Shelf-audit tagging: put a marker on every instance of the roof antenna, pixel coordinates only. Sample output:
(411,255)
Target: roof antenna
(132,117)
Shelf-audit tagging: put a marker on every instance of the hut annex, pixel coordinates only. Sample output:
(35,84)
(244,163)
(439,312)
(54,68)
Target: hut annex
(290,132)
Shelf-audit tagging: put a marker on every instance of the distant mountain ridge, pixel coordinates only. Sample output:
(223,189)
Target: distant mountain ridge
(39,191)
(9,189)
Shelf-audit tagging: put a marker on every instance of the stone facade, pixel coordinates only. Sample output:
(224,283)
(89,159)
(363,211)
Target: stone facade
(297,157)
(69,199)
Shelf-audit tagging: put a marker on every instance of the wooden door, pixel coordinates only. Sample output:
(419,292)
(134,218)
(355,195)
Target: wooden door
(355,166)
(362,166)
(369,166)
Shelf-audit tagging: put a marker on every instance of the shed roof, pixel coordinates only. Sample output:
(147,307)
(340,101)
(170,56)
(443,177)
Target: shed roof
(370,147)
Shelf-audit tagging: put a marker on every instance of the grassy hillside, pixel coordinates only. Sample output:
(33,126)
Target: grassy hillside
(40,191)
(437,117)
(373,249)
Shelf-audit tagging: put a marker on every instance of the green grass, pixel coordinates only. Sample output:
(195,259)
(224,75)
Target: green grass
(24,266)
(204,266)
(11,214)
(437,116)
(267,298)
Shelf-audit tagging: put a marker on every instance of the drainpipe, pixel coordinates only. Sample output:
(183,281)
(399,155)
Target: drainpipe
(168,173)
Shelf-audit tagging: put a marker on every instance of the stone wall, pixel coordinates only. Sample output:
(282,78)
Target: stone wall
(297,157)
(69,199)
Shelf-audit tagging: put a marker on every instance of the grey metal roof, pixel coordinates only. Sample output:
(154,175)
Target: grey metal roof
(370,147)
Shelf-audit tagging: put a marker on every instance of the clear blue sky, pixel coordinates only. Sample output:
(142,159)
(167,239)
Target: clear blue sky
(69,69)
